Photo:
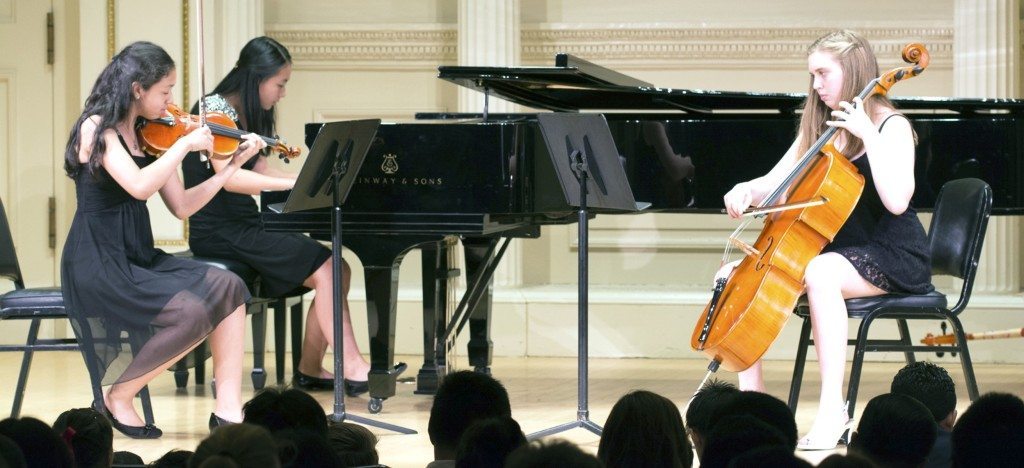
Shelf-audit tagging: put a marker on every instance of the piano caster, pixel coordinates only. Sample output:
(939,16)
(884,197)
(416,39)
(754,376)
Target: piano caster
(375,405)
(485,370)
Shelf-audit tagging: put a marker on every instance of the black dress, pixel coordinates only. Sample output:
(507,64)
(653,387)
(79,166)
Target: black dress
(113,279)
(890,251)
(229,227)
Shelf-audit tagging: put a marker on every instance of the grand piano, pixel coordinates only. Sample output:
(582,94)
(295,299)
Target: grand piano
(485,178)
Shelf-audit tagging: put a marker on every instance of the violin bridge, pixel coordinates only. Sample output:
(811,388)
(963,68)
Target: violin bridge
(745,247)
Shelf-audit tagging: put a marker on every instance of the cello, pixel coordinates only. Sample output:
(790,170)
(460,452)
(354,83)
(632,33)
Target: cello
(748,309)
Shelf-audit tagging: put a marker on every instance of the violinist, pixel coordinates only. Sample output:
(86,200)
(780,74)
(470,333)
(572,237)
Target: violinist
(882,247)
(229,226)
(109,267)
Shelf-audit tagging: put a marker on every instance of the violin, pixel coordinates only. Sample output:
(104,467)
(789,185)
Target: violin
(932,340)
(748,309)
(156,136)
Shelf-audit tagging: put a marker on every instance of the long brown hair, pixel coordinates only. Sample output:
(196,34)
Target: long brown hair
(854,55)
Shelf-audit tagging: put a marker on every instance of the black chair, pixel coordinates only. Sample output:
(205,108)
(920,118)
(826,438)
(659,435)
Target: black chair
(955,237)
(34,304)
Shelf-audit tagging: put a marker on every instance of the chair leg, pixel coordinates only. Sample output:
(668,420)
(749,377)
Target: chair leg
(901,324)
(965,358)
(199,355)
(259,345)
(147,404)
(858,365)
(26,363)
(297,329)
(181,374)
(280,322)
(798,366)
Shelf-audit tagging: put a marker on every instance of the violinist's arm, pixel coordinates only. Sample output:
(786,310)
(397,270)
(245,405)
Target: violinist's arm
(264,167)
(184,203)
(891,154)
(251,182)
(139,183)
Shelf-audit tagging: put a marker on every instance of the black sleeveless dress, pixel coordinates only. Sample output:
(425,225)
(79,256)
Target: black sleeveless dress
(113,280)
(890,251)
(229,227)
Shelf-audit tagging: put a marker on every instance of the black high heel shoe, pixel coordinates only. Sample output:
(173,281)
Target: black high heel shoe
(358,387)
(148,431)
(217,421)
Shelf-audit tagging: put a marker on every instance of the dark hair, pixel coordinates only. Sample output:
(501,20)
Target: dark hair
(304,449)
(173,459)
(111,97)
(279,408)
(644,429)
(850,460)
(37,442)
(89,435)
(895,430)
(124,457)
(929,384)
(355,445)
(709,397)
(488,442)
(261,58)
(735,435)
(10,453)
(990,433)
(775,456)
(462,398)
(245,445)
(554,454)
(770,410)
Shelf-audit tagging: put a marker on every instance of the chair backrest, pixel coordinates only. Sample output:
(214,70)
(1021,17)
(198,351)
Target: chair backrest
(8,257)
(958,228)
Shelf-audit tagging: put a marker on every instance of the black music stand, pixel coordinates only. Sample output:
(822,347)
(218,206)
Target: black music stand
(324,181)
(587,163)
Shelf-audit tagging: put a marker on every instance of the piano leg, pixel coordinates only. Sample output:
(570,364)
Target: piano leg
(480,347)
(435,273)
(381,257)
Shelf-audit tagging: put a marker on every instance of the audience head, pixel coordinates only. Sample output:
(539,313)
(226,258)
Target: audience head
(300,448)
(355,445)
(280,408)
(10,453)
(463,398)
(895,430)
(37,441)
(770,410)
(124,457)
(487,443)
(245,445)
(554,454)
(698,413)
(644,429)
(932,386)
(88,434)
(173,459)
(735,435)
(775,456)
(990,433)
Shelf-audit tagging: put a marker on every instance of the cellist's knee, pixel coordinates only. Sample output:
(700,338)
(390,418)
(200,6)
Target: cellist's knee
(821,274)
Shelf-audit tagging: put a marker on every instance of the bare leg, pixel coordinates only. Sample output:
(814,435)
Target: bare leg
(322,310)
(119,396)
(226,344)
(752,379)
(830,278)
(314,347)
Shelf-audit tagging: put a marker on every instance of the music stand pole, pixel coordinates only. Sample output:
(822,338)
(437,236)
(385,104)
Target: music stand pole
(339,414)
(582,406)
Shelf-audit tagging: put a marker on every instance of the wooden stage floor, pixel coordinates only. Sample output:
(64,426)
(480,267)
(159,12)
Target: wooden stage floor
(542,390)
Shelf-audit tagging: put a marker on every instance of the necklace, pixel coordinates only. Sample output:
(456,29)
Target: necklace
(133,143)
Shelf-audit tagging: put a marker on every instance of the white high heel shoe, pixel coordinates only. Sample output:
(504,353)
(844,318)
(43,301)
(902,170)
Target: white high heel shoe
(829,441)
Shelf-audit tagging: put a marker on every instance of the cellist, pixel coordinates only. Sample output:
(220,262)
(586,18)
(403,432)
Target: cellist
(882,247)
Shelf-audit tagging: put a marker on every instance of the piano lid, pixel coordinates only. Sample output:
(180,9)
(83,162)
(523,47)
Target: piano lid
(575,84)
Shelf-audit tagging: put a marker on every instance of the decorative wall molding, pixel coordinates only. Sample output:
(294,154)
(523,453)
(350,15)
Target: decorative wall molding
(399,46)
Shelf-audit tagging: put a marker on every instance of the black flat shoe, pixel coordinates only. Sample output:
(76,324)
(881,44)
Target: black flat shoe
(148,431)
(308,382)
(217,421)
(359,387)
